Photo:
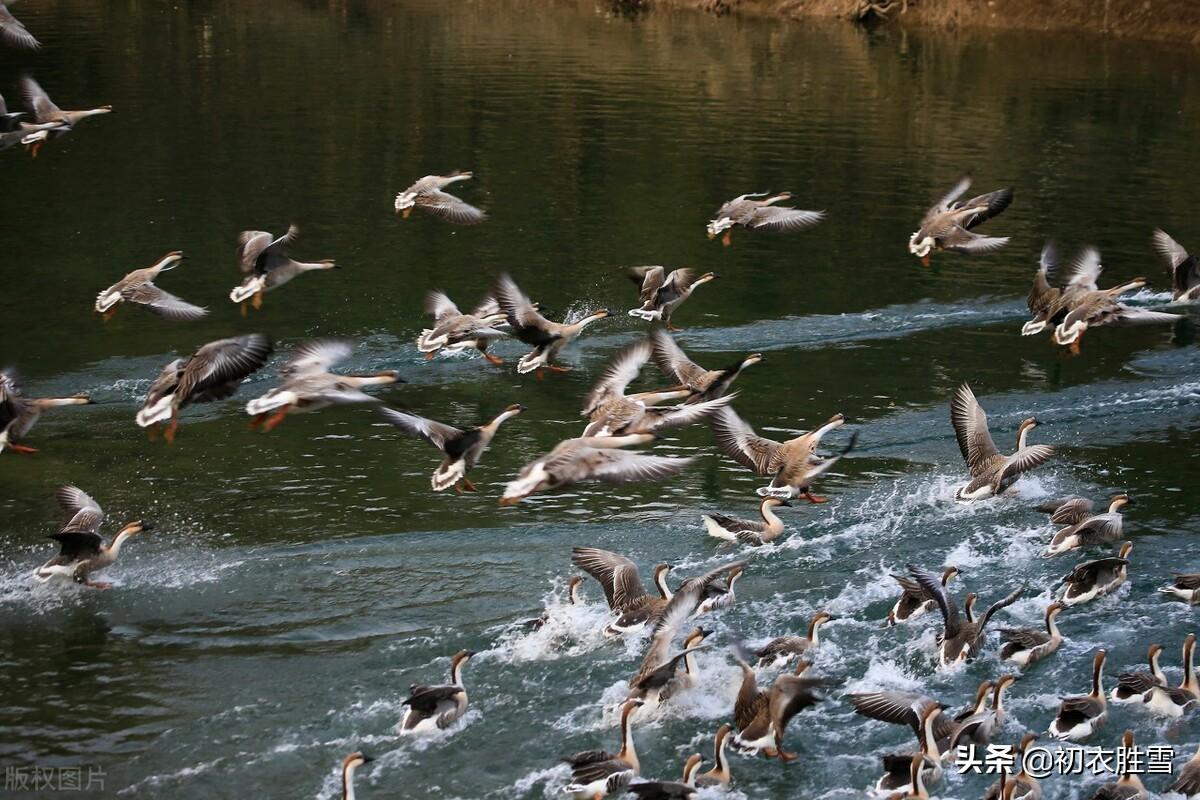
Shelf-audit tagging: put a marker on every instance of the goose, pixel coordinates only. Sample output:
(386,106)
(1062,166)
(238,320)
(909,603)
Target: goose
(138,288)
(916,788)
(909,708)
(1084,529)
(720,593)
(1175,701)
(1100,308)
(762,716)
(547,338)
(349,764)
(456,332)
(782,649)
(308,385)
(750,532)
(960,640)
(949,223)
(897,775)
(914,600)
(32,141)
(1045,301)
(1128,786)
(793,465)
(611,412)
(597,773)
(427,194)
(595,458)
(720,774)
(263,257)
(44,111)
(1079,716)
(1184,587)
(462,447)
(1094,579)
(1184,269)
(213,372)
(980,725)
(992,473)
(82,550)
(760,215)
(18,414)
(1134,687)
(1188,782)
(662,294)
(659,678)
(1024,646)
(573,599)
(13,33)
(618,576)
(670,790)
(1024,786)
(435,708)
(703,384)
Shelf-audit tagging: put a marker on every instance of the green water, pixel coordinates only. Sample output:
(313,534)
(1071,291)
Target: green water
(299,581)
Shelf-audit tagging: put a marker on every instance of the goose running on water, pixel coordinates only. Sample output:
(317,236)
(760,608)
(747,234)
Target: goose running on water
(138,288)
(596,774)
(960,639)
(308,385)
(18,414)
(762,715)
(949,223)
(1184,269)
(1094,579)
(462,447)
(547,338)
(435,708)
(618,576)
(349,765)
(760,215)
(662,293)
(914,600)
(1084,529)
(83,551)
(263,258)
(659,677)
(1079,716)
(427,194)
(754,533)
(992,473)
(703,384)
(1134,687)
(456,332)
(782,649)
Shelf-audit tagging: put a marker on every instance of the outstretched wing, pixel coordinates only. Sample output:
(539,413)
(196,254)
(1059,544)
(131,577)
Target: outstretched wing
(222,362)
(738,440)
(165,304)
(436,433)
(932,584)
(14,32)
(649,279)
(619,373)
(619,466)
(84,514)
(672,360)
(971,429)
(616,574)
(38,101)
(315,356)
(439,306)
(775,218)
(451,208)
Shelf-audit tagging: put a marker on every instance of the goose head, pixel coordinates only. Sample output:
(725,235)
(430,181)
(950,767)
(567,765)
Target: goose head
(950,572)
(573,589)
(1119,501)
(751,360)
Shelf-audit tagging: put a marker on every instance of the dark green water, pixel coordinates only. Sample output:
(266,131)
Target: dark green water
(299,581)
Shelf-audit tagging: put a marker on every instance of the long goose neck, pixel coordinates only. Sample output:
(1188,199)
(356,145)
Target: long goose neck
(628,752)
(583,323)
(1022,437)
(1155,669)
(491,427)
(348,782)
(928,742)
(814,628)
(114,549)
(1189,675)
(660,580)
(1097,690)
(456,673)
(767,510)
(722,763)
(1052,626)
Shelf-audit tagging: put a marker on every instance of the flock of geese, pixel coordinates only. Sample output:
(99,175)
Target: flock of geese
(776,680)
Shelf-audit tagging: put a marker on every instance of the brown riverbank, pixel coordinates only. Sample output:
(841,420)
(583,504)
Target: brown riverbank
(1173,20)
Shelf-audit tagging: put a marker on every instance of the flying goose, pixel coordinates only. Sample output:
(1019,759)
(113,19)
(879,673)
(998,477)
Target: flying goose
(1093,579)
(434,708)
(456,332)
(308,385)
(914,600)
(1175,701)
(1045,301)
(45,112)
(703,384)
(13,33)
(597,773)
(670,790)
(263,257)
(547,338)
(659,678)
(1079,716)
(427,194)
(618,576)
(463,447)
(782,649)
(596,458)
(1183,268)
(754,533)
(960,640)
(1134,687)
(1128,786)
(18,414)
(662,293)
(1024,786)
(948,224)
(754,214)
(213,372)
(897,775)
(1082,528)
(1024,646)
(992,473)
(762,715)
(82,550)
(1184,587)
(720,774)
(792,465)
(1188,782)
(138,288)
(349,765)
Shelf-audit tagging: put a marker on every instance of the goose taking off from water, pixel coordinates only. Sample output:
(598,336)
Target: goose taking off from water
(83,551)
(792,465)
(897,775)
(1082,527)
(15,34)
(263,258)
(1044,300)
(18,414)
(704,384)
(762,715)
(1098,578)
(914,600)
(991,471)
(138,288)
(760,215)
(434,708)
(349,764)
(663,293)
(1184,269)
(213,372)
(754,533)
(427,195)
(596,774)
(547,338)
(659,677)
(456,332)
(782,649)
(948,224)
(463,447)
(308,385)
(960,639)
(623,589)
(596,458)
(1079,716)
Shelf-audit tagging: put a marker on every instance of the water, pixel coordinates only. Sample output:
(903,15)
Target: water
(299,581)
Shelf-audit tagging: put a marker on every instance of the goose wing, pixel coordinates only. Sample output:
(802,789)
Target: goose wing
(961,240)
(1069,511)
(619,373)
(84,514)
(649,279)
(439,306)
(14,32)
(791,694)
(738,440)
(251,245)
(619,466)
(980,209)
(971,430)
(38,101)
(688,596)
(164,304)
(945,203)
(223,362)
(436,433)
(1085,270)
(898,708)
(1025,459)
(521,313)
(616,574)
(932,584)
(1172,252)
(426,699)
(450,208)
(999,604)
(776,218)
(672,360)
(1024,638)
(316,356)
